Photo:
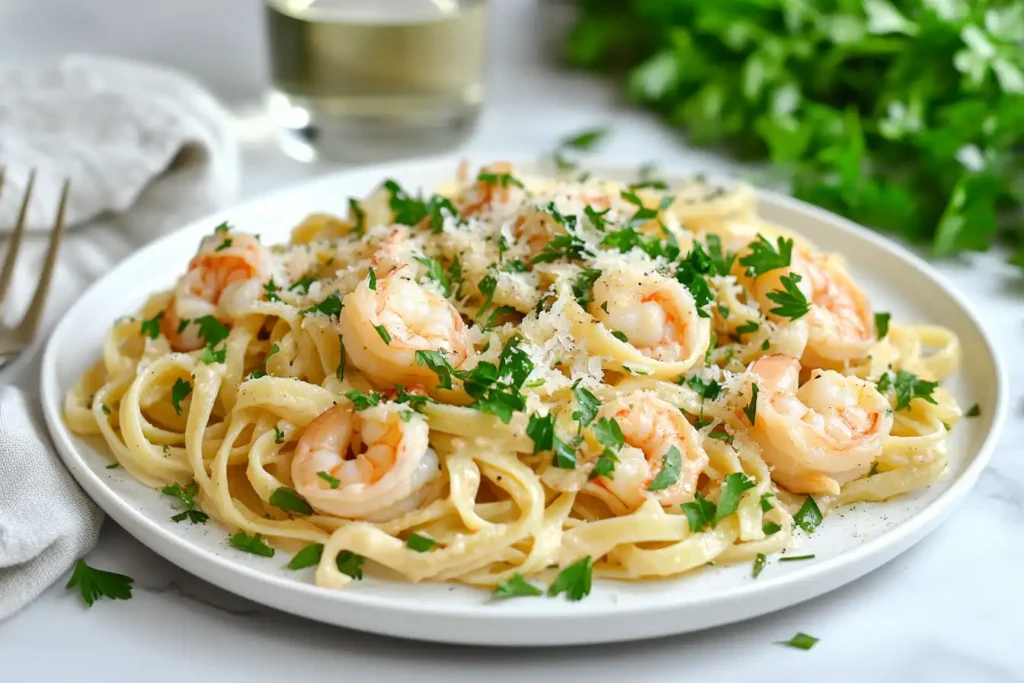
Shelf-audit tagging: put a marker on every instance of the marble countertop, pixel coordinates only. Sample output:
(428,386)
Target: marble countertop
(950,609)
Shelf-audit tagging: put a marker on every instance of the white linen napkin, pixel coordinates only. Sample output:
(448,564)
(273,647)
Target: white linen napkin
(146,150)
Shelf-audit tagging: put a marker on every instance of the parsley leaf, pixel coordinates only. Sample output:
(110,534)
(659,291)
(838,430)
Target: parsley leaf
(542,431)
(574,580)
(435,360)
(270,290)
(419,543)
(187,497)
(211,355)
(609,434)
(795,558)
(307,557)
(303,283)
(516,586)
(973,411)
(748,327)
(355,212)
(151,327)
(791,301)
(562,246)
(671,468)
(882,324)
(729,498)
(179,392)
(583,286)
(350,564)
(326,476)
(331,306)
(808,517)
(211,330)
(587,405)
(770,528)
(288,499)
(435,271)
(759,563)
(585,140)
(251,544)
(371,280)
(278,435)
(565,454)
(907,386)
(800,641)
(750,410)
(699,513)
(487,286)
(763,257)
(95,583)
(383,333)
(364,401)
(502,180)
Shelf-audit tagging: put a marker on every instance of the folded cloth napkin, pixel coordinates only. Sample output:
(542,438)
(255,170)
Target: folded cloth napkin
(146,150)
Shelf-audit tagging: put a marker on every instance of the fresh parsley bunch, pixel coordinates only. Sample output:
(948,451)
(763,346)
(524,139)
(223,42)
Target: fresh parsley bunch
(904,115)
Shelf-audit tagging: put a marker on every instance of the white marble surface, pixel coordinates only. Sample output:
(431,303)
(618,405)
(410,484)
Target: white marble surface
(948,610)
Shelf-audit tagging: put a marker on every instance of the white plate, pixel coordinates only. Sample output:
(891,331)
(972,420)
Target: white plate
(846,546)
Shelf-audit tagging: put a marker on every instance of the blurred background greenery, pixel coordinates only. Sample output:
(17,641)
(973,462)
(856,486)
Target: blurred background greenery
(904,115)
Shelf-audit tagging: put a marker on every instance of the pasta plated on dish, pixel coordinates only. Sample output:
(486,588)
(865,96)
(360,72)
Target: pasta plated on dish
(519,377)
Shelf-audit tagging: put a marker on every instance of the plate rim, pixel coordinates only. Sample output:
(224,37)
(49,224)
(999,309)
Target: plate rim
(207,565)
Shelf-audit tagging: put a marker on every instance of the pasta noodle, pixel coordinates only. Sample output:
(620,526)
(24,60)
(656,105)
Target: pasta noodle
(517,374)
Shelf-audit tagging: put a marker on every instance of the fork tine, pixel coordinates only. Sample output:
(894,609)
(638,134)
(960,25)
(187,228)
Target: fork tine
(34,315)
(15,243)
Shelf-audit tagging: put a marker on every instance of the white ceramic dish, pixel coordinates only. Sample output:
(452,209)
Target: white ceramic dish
(846,547)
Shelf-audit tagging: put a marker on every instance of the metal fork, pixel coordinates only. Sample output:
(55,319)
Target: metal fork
(14,340)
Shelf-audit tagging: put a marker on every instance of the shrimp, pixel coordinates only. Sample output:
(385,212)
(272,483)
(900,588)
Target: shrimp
(657,316)
(226,273)
(378,475)
(383,329)
(819,435)
(840,323)
(651,427)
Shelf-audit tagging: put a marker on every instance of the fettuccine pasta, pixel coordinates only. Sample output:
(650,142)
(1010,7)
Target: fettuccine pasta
(519,375)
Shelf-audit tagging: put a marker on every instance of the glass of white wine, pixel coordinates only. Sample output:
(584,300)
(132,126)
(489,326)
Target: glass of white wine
(363,80)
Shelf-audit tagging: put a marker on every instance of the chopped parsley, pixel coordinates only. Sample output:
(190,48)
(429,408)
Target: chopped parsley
(357,215)
(562,246)
(609,434)
(564,454)
(273,349)
(671,468)
(502,180)
(585,140)
(333,481)
(331,306)
(763,257)
(224,245)
(211,330)
(874,469)
(791,301)
(747,328)
(583,286)
(151,327)
(350,564)
(270,290)
(699,513)
(516,586)
(278,435)
(574,580)
(907,387)
(187,497)
(435,271)
(808,517)
(364,401)
(587,405)
(800,641)
(621,336)
(882,324)
(383,333)
(371,278)
(410,210)
(750,410)
(973,411)
(759,563)
(487,286)
(770,528)
(303,283)
(307,557)
(795,558)
(596,218)
(179,391)
(289,500)
(211,355)
(95,583)
(729,498)
(766,503)
(419,543)
(251,544)
(542,431)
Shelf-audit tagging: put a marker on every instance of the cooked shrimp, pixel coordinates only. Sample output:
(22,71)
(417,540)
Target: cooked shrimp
(840,321)
(651,427)
(384,328)
(382,473)
(819,435)
(226,272)
(392,252)
(657,316)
